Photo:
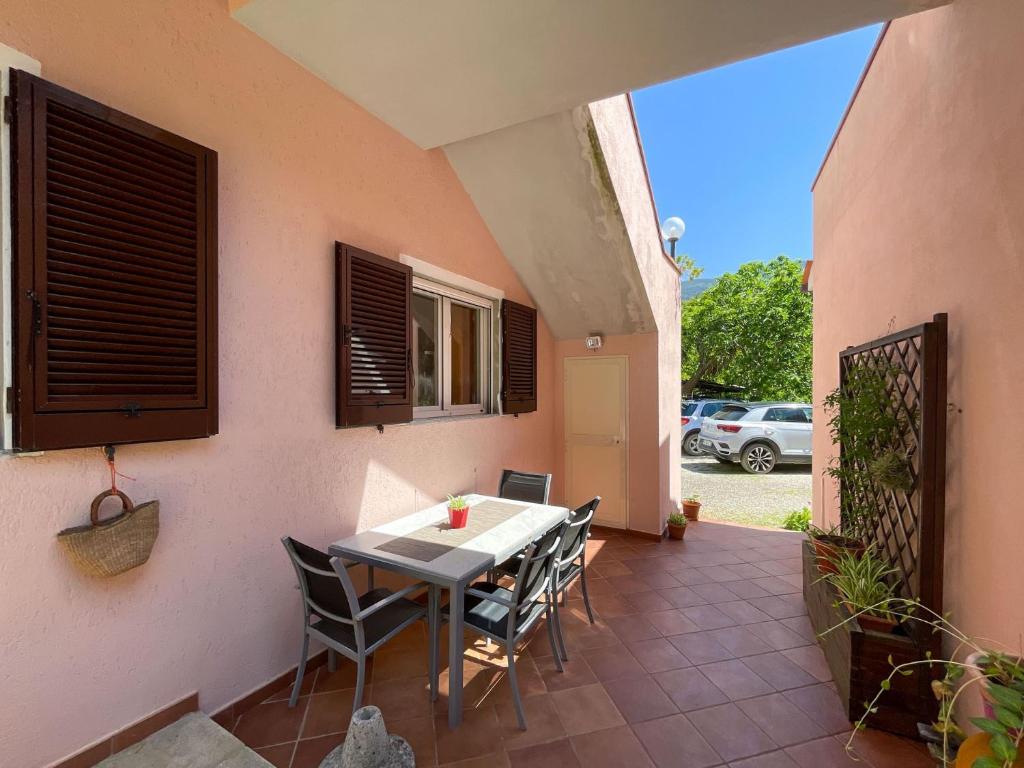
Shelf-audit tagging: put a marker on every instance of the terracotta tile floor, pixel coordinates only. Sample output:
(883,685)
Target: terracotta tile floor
(701,656)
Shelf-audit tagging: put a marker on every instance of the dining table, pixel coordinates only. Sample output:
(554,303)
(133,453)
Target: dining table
(425,547)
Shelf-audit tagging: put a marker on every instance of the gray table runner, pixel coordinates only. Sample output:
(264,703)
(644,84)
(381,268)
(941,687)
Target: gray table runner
(431,541)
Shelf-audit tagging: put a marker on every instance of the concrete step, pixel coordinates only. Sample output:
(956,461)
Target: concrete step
(194,741)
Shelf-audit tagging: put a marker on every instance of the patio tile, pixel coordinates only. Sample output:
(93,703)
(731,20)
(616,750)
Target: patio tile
(776,634)
(682,597)
(612,663)
(778,671)
(271,723)
(802,626)
(822,705)
(718,573)
(739,641)
(555,754)
(748,571)
(625,585)
(639,698)
(609,606)
(746,590)
(689,689)
(631,628)
(731,733)
(600,586)
(701,648)
(478,735)
(399,663)
(328,713)
(659,580)
(775,585)
(279,756)
(811,659)
(743,612)
(577,673)
(403,699)
(713,593)
(608,568)
(735,679)
(542,722)
(708,617)
(344,677)
(780,606)
(883,750)
(309,753)
(612,748)
(647,602)
(674,741)
(419,732)
(781,567)
(822,753)
(308,681)
(670,622)
(691,577)
(780,718)
(580,633)
(586,709)
(657,655)
(777,759)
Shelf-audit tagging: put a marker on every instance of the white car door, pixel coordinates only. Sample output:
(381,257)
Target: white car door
(790,429)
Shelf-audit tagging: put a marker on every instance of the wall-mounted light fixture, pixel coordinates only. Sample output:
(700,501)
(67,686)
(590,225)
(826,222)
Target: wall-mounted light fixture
(594,342)
(672,229)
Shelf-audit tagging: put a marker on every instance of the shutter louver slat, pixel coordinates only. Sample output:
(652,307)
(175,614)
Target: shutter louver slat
(116,250)
(374,339)
(519,358)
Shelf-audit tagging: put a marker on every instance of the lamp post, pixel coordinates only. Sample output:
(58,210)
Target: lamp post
(672,229)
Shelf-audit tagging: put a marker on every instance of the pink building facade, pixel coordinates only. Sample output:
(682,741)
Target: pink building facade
(917,211)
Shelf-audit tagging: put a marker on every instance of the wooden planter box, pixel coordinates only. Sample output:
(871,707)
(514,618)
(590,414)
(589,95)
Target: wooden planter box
(860,661)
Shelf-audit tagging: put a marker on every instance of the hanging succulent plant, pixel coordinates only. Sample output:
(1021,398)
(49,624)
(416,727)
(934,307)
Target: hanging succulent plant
(891,470)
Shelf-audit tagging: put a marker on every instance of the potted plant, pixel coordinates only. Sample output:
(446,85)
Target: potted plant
(676,525)
(1000,675)
(691,507)
(458,511)
(864,587)
(828,544)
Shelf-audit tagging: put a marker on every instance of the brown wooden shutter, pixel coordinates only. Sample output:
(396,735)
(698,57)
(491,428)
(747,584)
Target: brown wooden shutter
(114,278)
(374,339)
(518,358)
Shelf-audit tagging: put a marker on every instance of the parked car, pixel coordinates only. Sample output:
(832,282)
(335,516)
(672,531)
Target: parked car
(694,412)
(759,436)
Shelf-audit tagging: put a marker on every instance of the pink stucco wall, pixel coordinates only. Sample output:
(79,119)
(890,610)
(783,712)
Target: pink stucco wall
(919,210)
(214,610)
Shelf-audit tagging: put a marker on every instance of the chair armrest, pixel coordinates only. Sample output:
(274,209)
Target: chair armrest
(371,609)
(491,597)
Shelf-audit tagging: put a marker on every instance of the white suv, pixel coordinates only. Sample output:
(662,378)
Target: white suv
(759,435)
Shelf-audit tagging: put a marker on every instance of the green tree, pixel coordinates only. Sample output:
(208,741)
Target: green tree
(751,328)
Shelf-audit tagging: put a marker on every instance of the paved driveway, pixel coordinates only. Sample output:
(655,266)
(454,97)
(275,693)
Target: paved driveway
(728,493)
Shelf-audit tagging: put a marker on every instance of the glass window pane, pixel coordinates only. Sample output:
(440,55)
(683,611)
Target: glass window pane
(465,354)
(425,335)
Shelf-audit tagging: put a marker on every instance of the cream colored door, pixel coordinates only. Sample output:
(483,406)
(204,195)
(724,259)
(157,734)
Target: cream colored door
(595,435)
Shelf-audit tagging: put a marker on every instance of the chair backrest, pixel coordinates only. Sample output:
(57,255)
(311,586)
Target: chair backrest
(320,580)
(524,486)
(577,532)
(537,570)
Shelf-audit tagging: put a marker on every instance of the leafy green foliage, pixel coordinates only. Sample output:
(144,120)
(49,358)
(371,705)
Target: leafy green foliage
(798,520)
(863,581)
(457,502)
(677,518)
(751,328)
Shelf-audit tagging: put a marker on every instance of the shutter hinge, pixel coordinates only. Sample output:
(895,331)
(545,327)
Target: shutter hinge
(8,110)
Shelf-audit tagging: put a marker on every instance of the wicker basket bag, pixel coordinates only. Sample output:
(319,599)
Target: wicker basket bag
(115,545)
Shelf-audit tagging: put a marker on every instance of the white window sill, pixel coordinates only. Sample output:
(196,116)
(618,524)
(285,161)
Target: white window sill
(448,419)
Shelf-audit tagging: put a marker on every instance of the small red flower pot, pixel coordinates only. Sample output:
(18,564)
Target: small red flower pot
(457,518)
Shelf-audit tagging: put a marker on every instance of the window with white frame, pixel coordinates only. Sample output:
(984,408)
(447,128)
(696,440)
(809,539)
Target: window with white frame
(452,350)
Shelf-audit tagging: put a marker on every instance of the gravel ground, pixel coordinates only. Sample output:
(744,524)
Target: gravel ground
(728,493)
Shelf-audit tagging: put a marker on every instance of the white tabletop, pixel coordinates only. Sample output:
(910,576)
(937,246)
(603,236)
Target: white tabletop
(465,561)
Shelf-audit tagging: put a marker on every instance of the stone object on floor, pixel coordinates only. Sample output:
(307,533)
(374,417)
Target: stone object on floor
(368,745)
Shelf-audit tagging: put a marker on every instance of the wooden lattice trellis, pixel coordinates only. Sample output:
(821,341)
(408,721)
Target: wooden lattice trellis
(907,525)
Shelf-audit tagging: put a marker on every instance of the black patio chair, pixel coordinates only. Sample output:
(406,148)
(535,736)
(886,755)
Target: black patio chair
(524,486)
(507,615)
(352,625)
(572,562)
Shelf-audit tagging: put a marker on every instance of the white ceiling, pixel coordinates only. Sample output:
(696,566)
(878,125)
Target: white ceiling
(440,71)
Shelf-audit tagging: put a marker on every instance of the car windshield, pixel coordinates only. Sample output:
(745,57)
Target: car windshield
(689,408)
(731,413)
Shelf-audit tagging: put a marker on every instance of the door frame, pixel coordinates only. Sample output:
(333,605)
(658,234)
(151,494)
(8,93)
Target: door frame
(625,437)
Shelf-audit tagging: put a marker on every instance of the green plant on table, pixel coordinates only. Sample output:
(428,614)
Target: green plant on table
(798,520)
(1001,672)
(457,502)
(677,518)
(863,582)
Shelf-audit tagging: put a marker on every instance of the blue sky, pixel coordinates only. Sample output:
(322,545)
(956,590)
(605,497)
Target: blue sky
(734,150)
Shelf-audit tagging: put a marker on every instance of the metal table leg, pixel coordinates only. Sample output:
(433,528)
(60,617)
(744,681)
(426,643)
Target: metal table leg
(455,598)
(433,619)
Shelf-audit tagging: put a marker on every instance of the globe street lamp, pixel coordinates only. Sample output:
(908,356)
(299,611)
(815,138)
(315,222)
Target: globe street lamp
(672,229)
